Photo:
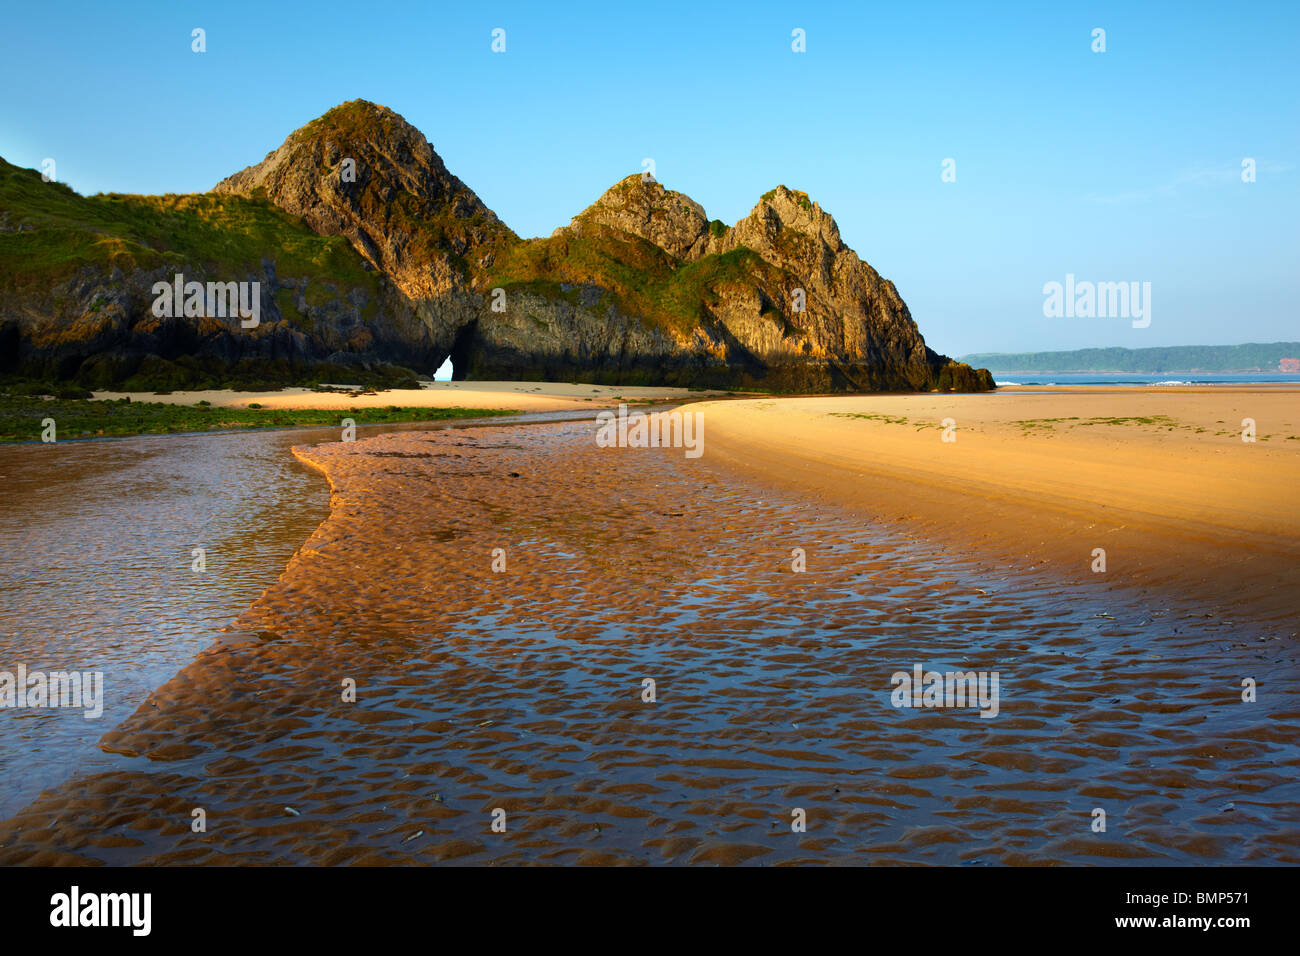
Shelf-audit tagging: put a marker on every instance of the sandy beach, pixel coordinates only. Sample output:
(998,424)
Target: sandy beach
(498,598)
(1158,477)
(524,396)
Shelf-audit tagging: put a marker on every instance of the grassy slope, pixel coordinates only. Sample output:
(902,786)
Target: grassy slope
(223,233)
(21,417)
(643,279)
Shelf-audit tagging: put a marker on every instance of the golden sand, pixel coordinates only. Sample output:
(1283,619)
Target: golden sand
(524,396)
(1159,478)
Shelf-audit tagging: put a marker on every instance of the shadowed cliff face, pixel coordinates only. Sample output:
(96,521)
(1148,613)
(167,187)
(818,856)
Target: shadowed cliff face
(639,288)
(77,292)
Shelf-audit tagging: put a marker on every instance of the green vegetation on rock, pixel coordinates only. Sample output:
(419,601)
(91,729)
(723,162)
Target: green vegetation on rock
(639,277)
(50,233)
(21,417)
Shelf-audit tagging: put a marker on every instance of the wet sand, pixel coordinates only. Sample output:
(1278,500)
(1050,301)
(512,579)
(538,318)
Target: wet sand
(522,690)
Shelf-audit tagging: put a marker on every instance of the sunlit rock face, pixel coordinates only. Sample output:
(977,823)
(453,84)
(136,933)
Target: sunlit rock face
(368,251)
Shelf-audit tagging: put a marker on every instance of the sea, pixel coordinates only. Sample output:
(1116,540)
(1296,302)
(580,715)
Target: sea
(1140,378)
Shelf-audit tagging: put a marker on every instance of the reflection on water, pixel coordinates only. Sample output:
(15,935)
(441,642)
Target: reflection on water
(523,689)
(96,549)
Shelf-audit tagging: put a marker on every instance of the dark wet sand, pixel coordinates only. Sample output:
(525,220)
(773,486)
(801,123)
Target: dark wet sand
(522,690)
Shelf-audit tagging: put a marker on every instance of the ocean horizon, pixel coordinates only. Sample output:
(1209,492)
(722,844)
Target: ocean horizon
(1004,378)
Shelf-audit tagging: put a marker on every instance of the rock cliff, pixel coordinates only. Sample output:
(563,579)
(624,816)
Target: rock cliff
(368,251)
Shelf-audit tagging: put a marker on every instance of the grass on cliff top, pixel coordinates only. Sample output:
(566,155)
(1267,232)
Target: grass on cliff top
(643,279)
(21,417)
(225,234)
(355,117)
(802,198)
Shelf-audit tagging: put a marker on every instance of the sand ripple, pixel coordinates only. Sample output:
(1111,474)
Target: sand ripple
(521,691)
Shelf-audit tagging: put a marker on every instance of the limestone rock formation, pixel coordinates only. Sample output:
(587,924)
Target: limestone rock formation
(640,206)
(777,301)
(363,172)
(369,251)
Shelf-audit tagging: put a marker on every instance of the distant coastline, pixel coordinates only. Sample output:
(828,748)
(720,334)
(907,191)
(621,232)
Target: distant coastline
(1007,377)
(1264,362)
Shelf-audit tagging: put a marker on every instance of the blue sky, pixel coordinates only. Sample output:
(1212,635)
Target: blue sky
(1115,166)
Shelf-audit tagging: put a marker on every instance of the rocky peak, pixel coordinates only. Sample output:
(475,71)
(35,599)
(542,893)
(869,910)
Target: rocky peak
(782,220)
(641,206)
(396,202)
(790,231)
